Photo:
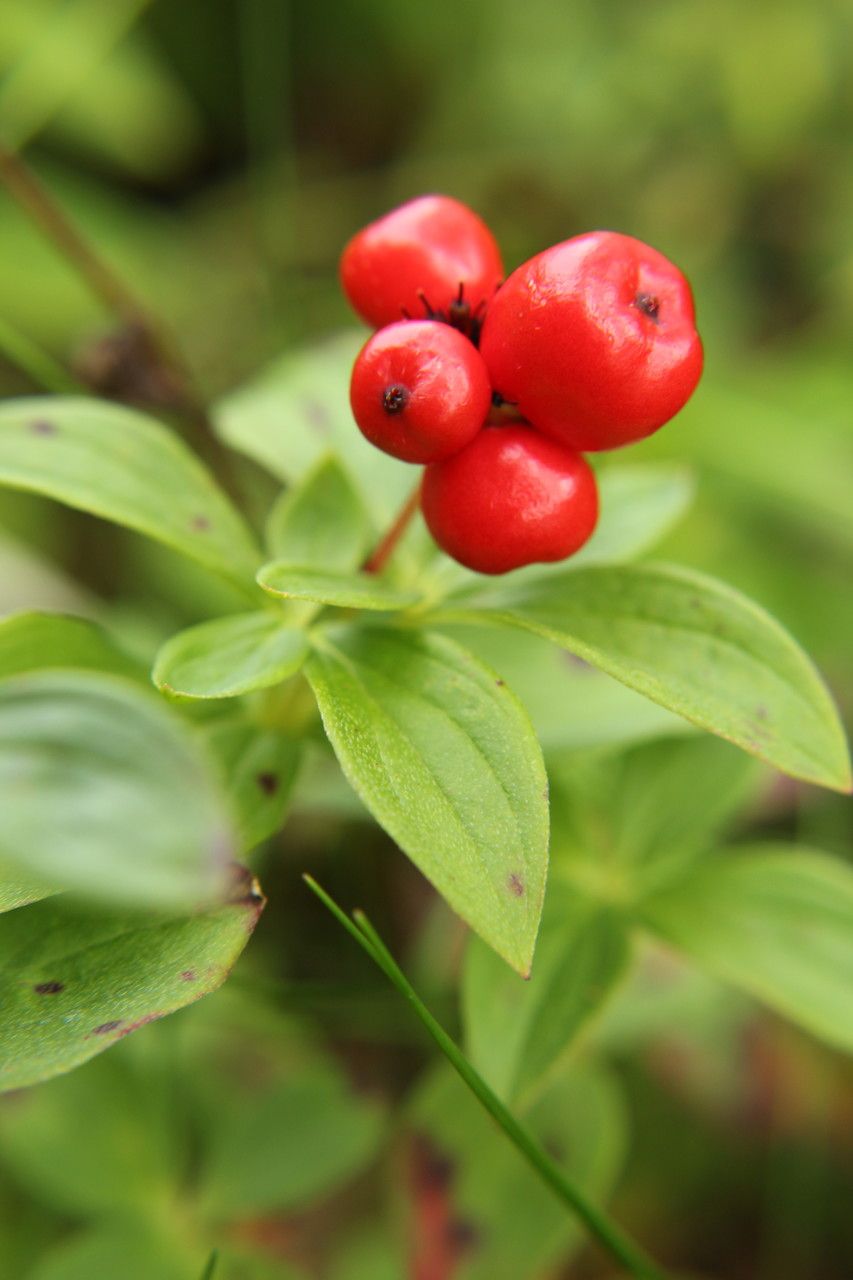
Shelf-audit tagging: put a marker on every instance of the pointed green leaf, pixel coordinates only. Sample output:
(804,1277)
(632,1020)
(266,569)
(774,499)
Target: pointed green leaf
(260,768)
(695,646)
(35,641)
(230,656)
(518,1033)
(73,982)
(322,522)
(346,590)
(103,789)
(444,757)
(123,466)
(774,921)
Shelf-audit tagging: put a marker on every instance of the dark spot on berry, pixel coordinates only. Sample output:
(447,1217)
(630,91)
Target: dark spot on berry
(649,305)
(268,783)
(106,1027)
(463,1234)
(394,398)
(49,988)
(188,975)
(41,427)
(515,884)
(200,523)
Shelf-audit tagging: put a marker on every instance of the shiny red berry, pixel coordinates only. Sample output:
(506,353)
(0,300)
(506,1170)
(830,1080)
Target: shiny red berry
(512,497)
(594,340)
(427,257)
(419,390)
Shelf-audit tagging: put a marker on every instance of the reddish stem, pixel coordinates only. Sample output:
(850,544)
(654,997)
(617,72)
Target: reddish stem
(385,548)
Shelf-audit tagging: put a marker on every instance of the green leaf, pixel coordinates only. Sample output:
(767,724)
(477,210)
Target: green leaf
(346,590)
(519,1033)
(322,523)
(284,1146)
(297,410)
(17,890)
(517,1227)
(230,656)
(123,466)
(695,646)
(260,768)
(95,1143)
(34,641)
(73,982)
(130,1248)
(622,821)
(776,923)
(570,703)
(444,757)
(103,789)
(639,504)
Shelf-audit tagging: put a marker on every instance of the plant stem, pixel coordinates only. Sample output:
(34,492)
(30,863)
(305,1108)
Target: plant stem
(40,368)
(38,203)
(34,198)
(384,549)
(608,1234)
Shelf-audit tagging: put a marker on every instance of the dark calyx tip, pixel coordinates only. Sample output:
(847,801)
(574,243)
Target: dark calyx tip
(394,399)
(649,305)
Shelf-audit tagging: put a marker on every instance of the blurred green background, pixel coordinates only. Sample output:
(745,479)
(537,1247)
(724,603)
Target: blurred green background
(219,153)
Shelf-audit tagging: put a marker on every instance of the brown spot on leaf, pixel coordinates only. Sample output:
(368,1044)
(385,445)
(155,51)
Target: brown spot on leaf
(188,975)
(268,783)
(317,416)
(515,884)
(106,1027)
(555,1149)
(500,683)
(761,713)
(49,988)
(434,1169)
(41,427)
(572,660)
(200,524)
(464,1235)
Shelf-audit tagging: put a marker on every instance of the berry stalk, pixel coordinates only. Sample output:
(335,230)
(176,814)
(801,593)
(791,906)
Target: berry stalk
(386,546)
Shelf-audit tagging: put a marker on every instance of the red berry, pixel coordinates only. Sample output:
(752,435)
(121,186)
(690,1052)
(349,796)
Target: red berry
(422,258)
(594,340)
(510,498)
(419,390)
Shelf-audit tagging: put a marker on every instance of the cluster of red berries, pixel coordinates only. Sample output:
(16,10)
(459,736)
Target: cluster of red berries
(587,346)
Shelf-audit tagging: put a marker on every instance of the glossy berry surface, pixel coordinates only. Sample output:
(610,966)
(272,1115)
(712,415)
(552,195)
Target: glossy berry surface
(419,390)
(424,250)
(511,498)
(594,340)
